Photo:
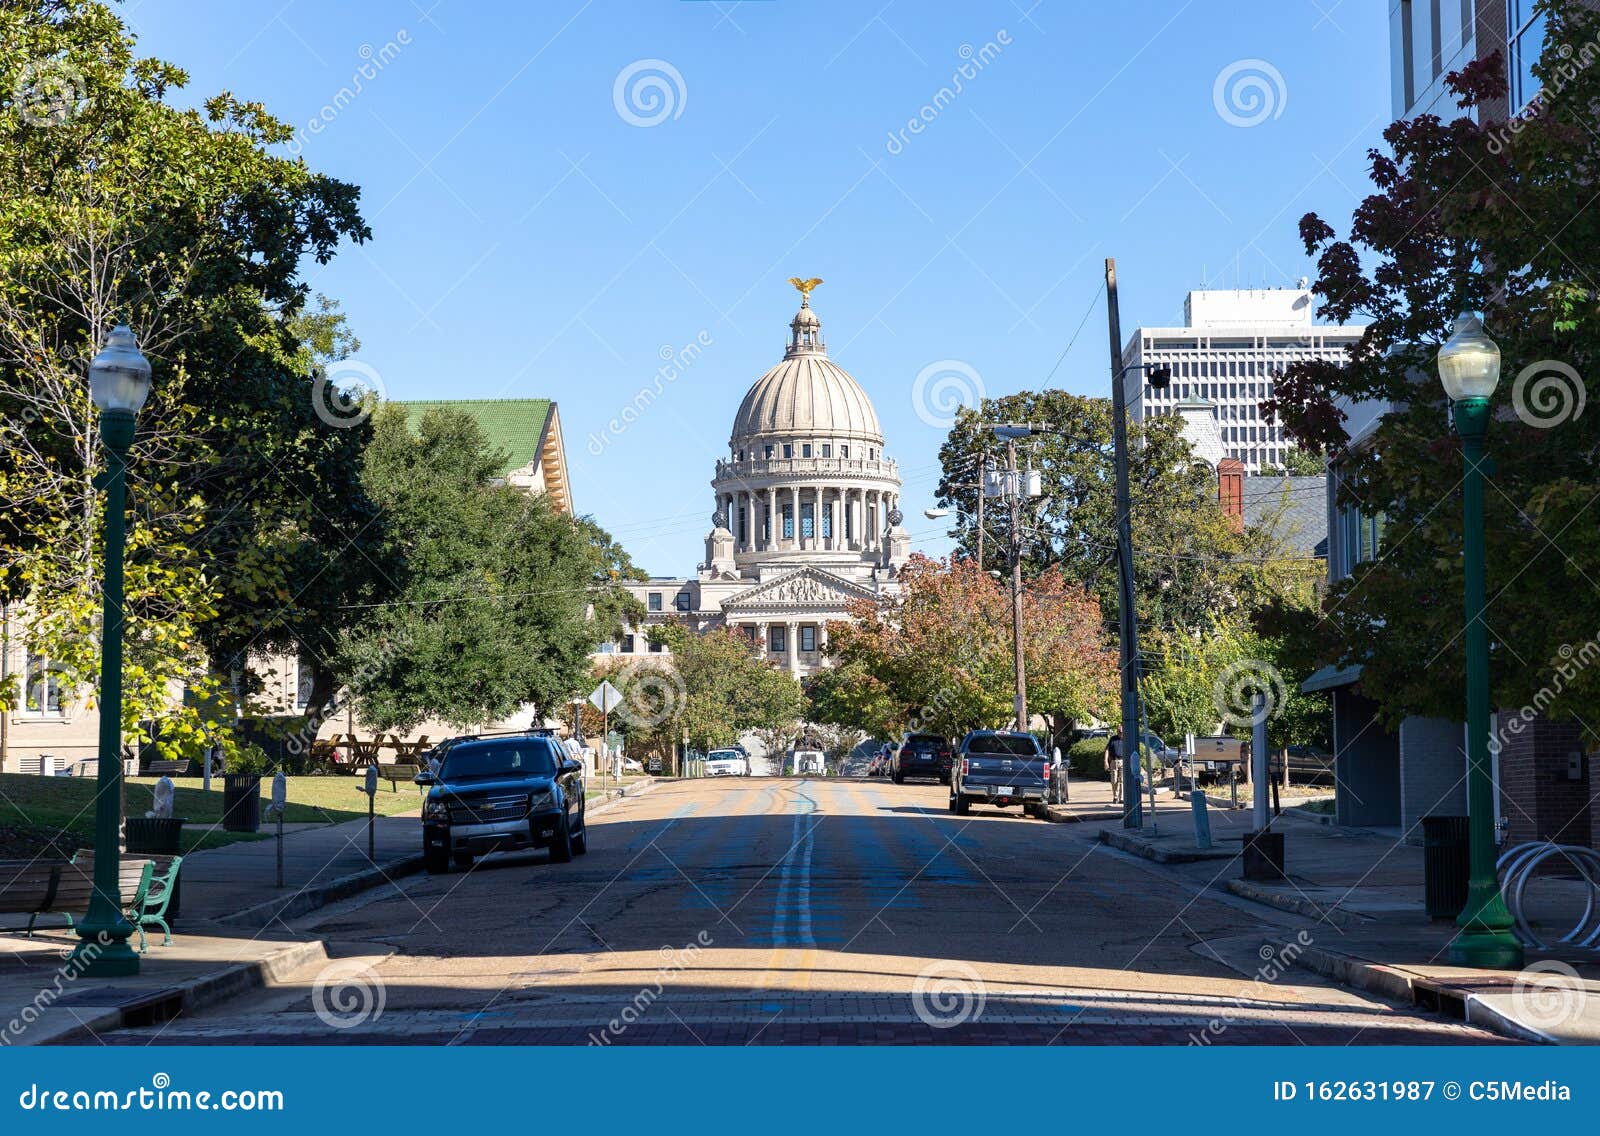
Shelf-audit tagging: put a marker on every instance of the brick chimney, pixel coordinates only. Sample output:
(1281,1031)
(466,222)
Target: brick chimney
(1230,490)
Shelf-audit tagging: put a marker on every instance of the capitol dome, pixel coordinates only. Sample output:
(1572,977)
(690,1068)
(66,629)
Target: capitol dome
(806,395)
(806,484)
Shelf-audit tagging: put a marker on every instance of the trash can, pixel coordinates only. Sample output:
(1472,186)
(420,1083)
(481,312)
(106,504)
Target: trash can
(241,802)
(1263,855)
(1446,865)
(158,835)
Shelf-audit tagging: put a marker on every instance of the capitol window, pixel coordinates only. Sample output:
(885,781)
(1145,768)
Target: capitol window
(808,638)
(807,521)
(655,601)
(775,642)
(627,644)
(805,450)
(788,522)
(788,450)
(767,453)
(827,450)
(844,451)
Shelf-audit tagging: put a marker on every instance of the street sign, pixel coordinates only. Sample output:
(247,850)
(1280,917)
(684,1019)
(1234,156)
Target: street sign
(606,697)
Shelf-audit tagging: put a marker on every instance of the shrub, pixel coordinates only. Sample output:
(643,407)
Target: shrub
(1087,758)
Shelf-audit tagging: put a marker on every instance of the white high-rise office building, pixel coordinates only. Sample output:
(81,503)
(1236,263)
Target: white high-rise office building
(1229,351)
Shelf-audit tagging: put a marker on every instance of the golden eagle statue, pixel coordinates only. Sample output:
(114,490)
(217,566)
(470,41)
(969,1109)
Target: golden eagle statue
(805,286)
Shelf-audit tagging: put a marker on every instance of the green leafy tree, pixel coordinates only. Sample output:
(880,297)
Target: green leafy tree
(115,204)
(500,599)
(1190,563)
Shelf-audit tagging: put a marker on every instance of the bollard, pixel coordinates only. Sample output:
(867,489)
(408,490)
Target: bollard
(1202,821)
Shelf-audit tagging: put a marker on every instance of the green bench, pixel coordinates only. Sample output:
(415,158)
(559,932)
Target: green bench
(53,887)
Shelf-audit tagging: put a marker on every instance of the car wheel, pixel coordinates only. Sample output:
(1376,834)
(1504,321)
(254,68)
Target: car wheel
(463,860)
(561,846)
(899,778)
(436,862)
(580,842)
(959,804)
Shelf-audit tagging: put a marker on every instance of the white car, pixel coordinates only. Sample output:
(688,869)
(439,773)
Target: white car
(726,763)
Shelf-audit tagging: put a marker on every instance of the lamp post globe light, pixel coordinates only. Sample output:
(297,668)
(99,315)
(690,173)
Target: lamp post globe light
(119,383)
(1469,367)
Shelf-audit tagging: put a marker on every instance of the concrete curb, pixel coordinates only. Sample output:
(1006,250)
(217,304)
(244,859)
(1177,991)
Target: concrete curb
(1127,843)
(309,899)
(1245,889)
(1062,814)
(1403,986)
(196,994)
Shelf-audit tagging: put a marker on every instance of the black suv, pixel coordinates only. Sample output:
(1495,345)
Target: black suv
(922,755)
(502,793)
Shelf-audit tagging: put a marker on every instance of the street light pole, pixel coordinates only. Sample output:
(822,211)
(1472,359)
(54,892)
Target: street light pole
(1469,365)
(119,380)
(1127,622)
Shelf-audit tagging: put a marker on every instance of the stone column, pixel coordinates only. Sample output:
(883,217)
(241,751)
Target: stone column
(761,640)
(793,635)
(770,541)
(794,505)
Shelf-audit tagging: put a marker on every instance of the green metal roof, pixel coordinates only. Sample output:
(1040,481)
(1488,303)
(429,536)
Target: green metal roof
(516,425)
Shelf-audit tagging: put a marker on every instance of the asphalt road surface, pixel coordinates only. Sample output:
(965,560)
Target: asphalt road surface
(788,911)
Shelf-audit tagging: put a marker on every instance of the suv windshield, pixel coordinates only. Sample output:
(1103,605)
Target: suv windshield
(519,758)
(1014,745)
(725,755)
(923,743)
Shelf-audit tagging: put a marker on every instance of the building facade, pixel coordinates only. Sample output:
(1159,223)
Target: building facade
(1224,359)
(806,514)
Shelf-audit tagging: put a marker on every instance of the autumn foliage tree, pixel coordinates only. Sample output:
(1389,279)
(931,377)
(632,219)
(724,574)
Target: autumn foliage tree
(1468,214)
(938,655)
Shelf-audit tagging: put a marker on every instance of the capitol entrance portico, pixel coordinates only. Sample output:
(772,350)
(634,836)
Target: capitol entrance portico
(806,512)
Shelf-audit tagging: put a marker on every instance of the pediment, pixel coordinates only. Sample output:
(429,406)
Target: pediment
(802,588)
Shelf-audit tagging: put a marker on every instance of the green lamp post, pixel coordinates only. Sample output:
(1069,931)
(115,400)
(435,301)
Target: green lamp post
(119,383)
(1469,366)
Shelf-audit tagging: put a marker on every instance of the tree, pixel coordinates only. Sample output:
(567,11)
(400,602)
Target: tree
(1296,463)
(710,688)
(1493,216)
(116,205)
(938,656)
(1189,558)
(500,599)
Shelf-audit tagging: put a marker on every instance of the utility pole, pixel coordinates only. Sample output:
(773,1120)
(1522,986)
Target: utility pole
(983,472)
(1014,491)
(1127,622)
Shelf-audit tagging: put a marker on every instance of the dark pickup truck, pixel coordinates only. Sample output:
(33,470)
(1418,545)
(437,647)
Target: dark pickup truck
(503,793)
(1000,768)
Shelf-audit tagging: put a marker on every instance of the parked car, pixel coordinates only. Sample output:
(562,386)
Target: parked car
(631,766)
(497,794)
(922,755)
(1000,768)
(810,762)
(727,763)
(1217,759)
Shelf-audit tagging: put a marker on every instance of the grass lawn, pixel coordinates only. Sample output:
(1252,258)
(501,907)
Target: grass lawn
(36,812)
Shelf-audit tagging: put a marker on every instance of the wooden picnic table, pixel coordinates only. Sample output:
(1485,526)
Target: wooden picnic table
(404,750)
(362,753)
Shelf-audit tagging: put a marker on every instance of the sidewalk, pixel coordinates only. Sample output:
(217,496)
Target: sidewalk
(232,933)
(1360,896)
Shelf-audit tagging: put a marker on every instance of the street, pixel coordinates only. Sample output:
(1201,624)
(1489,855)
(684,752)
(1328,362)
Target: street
(808,911)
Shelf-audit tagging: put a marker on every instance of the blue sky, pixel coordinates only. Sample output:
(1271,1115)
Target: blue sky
(537,234)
